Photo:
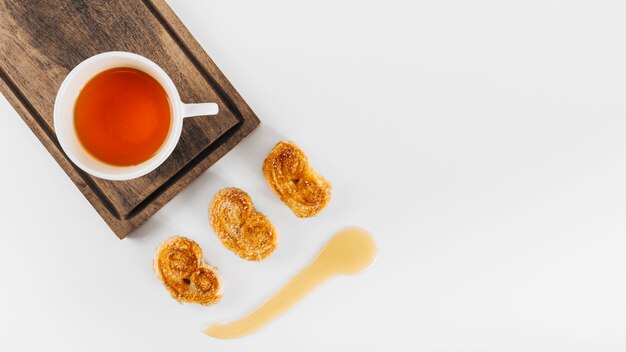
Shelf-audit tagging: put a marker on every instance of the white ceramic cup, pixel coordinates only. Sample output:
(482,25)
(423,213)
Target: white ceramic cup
(64,114)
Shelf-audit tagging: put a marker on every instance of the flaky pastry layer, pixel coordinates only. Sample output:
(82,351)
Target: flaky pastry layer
(179,265)
(290,176)
(241,228)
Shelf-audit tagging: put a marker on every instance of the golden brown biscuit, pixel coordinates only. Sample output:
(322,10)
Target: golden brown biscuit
(178,264)
(240,227)
(289,174)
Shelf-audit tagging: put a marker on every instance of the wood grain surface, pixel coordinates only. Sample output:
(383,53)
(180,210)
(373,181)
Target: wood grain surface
(41,41)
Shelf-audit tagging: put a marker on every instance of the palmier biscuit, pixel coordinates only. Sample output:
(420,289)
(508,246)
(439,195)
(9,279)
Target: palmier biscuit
(240,227)
(290,176)
(178,264)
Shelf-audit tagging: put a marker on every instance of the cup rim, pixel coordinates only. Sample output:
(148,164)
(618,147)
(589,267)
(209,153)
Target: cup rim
(170,142)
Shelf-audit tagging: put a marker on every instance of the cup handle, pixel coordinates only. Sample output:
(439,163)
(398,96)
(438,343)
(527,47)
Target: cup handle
(204,109)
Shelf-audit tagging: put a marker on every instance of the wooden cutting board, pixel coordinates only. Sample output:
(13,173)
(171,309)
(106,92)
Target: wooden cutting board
(41,41)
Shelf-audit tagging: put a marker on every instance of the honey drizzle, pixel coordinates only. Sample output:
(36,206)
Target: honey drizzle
(349,252)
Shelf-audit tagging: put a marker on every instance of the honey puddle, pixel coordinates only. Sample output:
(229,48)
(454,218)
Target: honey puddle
(349,252)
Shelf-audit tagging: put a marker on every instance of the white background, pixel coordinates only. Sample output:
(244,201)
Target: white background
(482,142)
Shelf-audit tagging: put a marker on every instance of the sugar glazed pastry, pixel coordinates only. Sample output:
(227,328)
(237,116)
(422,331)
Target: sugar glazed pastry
(290,176)
(179,265)
(240,227)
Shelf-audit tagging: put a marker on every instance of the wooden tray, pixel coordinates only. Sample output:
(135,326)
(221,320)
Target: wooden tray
(41,41)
